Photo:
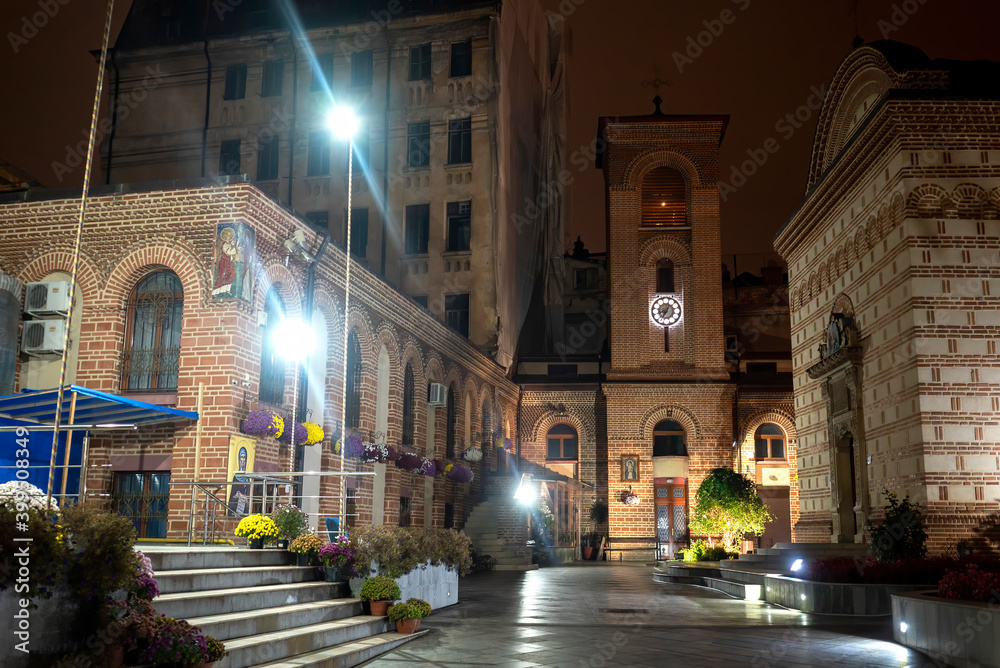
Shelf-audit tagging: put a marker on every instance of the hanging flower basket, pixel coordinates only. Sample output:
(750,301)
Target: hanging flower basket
(264,422)
(439,467)
(472,454)
(354,447)
(314,433)
(629,498)
(458,473)
(301,434)
(427,467)
(376,452)
(409,461)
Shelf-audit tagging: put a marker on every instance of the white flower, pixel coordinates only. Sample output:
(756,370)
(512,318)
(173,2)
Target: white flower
(19,491)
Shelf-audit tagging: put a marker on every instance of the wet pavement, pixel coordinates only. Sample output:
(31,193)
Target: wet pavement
(606,614)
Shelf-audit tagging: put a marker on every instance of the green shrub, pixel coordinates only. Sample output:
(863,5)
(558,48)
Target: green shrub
(901,535)
(401,611)
(399,550)
(380,588)
(290,520)
(215,649)
(423,606)
(727,505)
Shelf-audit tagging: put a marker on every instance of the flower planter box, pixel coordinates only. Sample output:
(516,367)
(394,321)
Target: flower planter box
(833,598)
(965,634)
(434,584)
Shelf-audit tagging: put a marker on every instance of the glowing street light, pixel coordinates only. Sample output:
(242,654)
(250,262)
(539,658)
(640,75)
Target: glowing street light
(343,122)
(295,341)
(525,492)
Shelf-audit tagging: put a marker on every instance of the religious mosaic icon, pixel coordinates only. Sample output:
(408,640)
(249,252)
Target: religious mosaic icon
(233,261)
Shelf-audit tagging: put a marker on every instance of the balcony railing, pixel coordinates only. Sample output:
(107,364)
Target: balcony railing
(149,369)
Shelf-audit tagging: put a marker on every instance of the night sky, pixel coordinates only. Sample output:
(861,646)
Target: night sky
(768,58)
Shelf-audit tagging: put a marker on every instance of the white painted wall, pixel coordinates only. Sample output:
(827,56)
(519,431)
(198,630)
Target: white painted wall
(382,425)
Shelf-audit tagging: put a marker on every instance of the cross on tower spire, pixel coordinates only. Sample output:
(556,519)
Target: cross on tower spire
(656,83)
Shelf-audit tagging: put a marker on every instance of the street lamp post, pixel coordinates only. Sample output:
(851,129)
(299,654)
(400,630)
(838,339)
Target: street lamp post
(344,124)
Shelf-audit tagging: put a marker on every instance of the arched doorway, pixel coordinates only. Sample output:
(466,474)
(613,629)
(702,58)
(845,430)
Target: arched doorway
(670,476)
(773,484)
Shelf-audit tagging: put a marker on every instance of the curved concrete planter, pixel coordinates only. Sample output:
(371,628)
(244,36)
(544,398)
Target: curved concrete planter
(830,598)
(47,626)
(434,584)
(954,633)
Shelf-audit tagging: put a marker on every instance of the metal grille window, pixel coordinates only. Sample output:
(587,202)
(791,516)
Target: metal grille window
(142,496)
(486,437)
(769,442)
(151,355)
(420,62)
(352,415)
(361,69)
(359,232)
(418,218)
(460,141)
(319,153)
(562,443)
(418,144)
(456,313)
(668,439)
(236,82)
(323,74)
(459,226)
(404,511)
(449,441)
(229,157)
(272,78)
(408,405)
(461,59)
(267,159)
(272,365)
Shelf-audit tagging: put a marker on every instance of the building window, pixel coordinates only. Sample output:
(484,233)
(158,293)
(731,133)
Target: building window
(272,77)
(272,364)
(359,232)
(151,355)
(352,413)
(418,144)
(418,218)
(461,59)
(408,405)
(668,439)
(267,159)
(322,77)
(486,436)
(229,157)
(769,442)
(319,153)
(456,313)
(361,69)
(404,511)
(321,219)
(420,62)
(459,141)
(236,82)
(664,275)
(585,279)
(449,515)
(732,344)
(459,226)
(450,426)
(142,496)
(351,507)
(664,198)
(562,443)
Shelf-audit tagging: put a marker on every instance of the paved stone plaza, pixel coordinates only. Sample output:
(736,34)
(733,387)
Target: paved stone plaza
(614,615)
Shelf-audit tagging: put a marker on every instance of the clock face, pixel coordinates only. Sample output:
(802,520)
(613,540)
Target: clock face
(665,311)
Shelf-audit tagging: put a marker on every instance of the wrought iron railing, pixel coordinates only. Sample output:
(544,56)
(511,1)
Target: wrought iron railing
(149,369)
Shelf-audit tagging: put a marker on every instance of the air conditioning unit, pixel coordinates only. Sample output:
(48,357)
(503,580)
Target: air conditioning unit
(43,337)
(47,298)
(436,395)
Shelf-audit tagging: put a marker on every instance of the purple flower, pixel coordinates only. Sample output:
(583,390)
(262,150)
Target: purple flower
(409,461)
(264,422)
(301,434)
(460,473)
(427,466)
(354,447)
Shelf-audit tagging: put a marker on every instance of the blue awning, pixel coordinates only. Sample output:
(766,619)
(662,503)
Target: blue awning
(92,408)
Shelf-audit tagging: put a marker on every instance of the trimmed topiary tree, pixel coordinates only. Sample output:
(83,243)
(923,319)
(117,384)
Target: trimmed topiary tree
(727,505)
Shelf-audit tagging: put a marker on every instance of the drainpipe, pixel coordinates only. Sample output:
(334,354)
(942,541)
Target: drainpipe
(114,118)
(291,139)
(385,156)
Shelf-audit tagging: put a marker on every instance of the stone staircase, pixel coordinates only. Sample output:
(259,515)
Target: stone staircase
(267,612)
(481,527)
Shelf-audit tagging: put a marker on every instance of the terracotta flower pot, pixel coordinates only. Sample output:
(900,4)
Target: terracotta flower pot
(407,625)
(588,552)
(115,656)
(207,665)
(379,608)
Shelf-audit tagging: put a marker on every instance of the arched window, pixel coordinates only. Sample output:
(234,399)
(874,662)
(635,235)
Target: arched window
(408,383)
(769,442)
(151,355)
(449,443)
(664,198)
(664,275)
(352,415)
(562,443)
(272,364)
(668,439)
(486,438)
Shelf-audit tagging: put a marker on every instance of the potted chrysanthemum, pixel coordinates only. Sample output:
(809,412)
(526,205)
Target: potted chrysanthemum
(406,616)
(291,522)
(256,528)
(334,557)
(380,591)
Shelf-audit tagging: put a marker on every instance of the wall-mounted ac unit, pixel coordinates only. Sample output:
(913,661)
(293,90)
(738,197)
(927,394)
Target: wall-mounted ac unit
(436,395)
(47,298)
(43,337)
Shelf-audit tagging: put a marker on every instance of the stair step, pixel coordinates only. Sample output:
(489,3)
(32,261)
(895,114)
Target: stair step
(185,605)
(173,559)
(348,654)
(274,646)
(516,567)
(201,579)
(267,620)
